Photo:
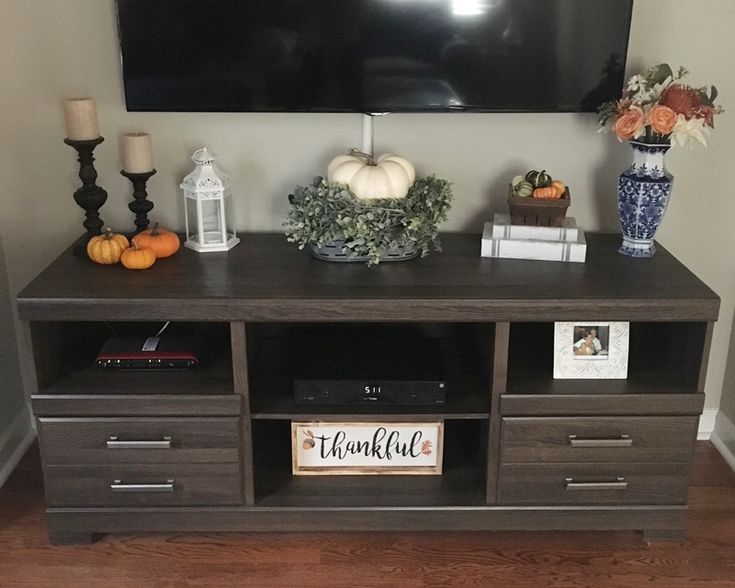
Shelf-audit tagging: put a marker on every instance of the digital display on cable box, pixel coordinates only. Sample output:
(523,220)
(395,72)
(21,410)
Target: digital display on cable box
(398,392)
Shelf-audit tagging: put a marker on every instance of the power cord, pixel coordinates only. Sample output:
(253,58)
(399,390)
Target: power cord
(163,328)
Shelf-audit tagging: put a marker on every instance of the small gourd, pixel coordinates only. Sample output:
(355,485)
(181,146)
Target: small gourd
(163,242)
(106,249)
(539,179)
(137,257)
(523,189)
(389,176)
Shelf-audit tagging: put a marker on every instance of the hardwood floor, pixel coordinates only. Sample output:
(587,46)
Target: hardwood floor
(389,560)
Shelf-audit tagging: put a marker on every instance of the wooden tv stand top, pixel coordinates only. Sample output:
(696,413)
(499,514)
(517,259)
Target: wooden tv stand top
(265,278)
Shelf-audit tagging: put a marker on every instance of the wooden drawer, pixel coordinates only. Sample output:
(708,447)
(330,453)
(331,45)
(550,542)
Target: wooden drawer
(598,439)
(143,485)
(587,484)
(141,440)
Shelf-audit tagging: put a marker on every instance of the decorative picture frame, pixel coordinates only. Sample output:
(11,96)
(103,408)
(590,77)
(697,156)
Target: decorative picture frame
(367,448)
(591,350)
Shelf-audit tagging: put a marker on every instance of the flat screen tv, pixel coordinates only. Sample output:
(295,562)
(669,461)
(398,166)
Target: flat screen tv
(372,55)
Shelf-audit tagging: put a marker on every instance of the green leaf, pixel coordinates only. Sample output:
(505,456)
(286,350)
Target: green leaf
(662,73)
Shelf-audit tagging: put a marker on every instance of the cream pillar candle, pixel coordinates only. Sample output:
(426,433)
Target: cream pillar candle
(81,119)
(137,153)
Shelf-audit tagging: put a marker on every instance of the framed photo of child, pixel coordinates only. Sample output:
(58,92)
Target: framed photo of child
(591,350)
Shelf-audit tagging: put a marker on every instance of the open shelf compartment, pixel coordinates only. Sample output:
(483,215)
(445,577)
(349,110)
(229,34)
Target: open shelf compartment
(663,358)
(462,482)
(67,364)
(464,356)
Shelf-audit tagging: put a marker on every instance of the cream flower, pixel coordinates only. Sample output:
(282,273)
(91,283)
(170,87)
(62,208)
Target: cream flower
(643,96)
(636,82)
(687,131)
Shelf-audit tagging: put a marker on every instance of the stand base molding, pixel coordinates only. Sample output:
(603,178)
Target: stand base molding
(81,524)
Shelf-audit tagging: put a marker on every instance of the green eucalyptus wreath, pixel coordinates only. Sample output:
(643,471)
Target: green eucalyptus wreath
(326,212)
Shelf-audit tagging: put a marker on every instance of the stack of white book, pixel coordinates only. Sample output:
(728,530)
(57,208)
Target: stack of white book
(503,239)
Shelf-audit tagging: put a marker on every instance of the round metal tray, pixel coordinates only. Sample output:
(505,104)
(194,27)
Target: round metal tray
(336,251)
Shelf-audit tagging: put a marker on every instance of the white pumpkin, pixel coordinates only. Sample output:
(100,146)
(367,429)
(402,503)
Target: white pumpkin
(390,176)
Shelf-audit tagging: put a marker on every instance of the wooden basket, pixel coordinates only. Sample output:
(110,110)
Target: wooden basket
(538,211)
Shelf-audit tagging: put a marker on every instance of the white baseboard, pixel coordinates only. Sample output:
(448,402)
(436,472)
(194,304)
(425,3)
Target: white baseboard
(723,438)
(14,442)
(707,424)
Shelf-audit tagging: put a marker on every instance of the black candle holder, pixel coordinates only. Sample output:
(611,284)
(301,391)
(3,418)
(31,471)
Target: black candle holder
(140,206)
(90,196)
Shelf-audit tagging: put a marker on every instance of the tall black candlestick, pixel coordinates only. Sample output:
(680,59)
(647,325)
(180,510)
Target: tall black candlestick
(140,206)
(90,196)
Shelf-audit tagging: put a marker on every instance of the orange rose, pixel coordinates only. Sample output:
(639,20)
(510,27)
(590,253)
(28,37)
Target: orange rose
(662,119)
(630,125)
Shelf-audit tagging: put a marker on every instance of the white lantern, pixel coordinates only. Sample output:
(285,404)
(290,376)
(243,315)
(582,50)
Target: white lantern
(208,205)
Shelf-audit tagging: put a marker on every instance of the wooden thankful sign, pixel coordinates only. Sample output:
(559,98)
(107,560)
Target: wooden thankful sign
(359,448)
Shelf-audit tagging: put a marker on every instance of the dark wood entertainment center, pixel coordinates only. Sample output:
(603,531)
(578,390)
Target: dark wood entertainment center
(209,449)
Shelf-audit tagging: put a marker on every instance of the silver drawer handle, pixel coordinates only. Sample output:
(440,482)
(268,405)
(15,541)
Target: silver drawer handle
(618,484)
(622,441)
(118,486)
(115,443)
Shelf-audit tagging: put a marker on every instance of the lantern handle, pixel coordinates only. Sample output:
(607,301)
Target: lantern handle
(203,160)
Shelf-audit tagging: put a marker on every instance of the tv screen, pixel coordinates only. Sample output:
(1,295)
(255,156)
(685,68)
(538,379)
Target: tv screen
(372,55)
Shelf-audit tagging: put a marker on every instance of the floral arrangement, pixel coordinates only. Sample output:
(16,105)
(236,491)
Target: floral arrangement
(656,107)
(327,212)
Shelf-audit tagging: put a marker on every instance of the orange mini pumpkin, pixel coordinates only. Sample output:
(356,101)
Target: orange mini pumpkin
(163,242)
(559,185)
(107,249)
(547,193)
(137,257)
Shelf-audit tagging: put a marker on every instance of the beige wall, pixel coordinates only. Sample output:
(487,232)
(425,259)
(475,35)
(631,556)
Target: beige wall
(67,48)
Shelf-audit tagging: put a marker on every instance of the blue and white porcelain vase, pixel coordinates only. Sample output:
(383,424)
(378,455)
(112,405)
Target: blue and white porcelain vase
(644,190)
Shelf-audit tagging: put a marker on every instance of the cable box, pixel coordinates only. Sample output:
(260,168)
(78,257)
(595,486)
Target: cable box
(370,391)
(374,366)
(149,353)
